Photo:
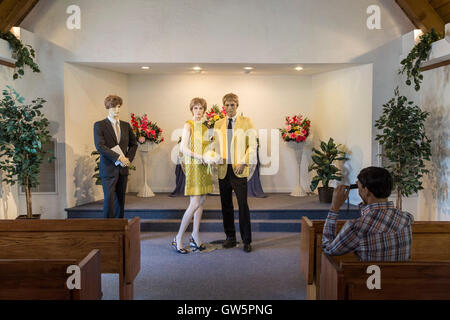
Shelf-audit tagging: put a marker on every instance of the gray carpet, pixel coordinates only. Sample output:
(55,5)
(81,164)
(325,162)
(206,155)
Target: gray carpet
(271,271)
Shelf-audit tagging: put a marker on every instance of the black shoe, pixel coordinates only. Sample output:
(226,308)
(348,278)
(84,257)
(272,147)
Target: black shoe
(174,245)
(247,247)
(194,245)
(229,243)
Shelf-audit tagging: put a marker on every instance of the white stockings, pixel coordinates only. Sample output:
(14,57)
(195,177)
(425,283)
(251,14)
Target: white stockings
(195,210)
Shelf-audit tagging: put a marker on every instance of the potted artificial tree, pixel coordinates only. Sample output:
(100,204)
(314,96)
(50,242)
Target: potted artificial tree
(23,133)
(405,144)
(325,169)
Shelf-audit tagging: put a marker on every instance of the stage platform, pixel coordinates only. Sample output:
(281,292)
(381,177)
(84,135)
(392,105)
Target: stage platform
(278,212)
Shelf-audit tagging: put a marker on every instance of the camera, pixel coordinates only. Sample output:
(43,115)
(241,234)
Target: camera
(353,186)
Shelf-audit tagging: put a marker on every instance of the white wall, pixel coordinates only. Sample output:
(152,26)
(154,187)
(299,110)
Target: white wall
(433,201)
(85,90)
(265,99)
(263,31)
(342,103)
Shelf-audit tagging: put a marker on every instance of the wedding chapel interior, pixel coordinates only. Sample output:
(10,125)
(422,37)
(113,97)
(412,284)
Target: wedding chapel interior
(334,63)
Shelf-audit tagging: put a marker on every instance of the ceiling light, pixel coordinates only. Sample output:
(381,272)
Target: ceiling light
(145,68)
(298,68)
(248,68)
(197,68)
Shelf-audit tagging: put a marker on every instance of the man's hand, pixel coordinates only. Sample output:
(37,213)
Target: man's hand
(340,194)
(240,168)
(126,162)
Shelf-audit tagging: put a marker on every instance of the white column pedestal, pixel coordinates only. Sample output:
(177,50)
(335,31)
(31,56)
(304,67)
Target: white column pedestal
(144,151)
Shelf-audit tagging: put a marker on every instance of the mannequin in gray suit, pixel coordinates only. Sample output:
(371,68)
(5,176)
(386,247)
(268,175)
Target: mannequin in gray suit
(109,133)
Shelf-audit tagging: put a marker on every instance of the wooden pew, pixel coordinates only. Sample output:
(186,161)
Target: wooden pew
(46,279)
(117,239)
(310,253)
(412,280)
(427,236)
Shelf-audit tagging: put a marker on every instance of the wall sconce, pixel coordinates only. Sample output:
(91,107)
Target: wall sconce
(16,32)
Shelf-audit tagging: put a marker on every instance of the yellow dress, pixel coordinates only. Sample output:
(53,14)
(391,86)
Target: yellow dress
(198,180)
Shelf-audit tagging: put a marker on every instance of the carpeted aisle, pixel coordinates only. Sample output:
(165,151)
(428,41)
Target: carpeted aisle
(271,271)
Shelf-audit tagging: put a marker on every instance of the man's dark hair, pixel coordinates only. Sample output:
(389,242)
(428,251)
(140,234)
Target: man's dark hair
(377,180)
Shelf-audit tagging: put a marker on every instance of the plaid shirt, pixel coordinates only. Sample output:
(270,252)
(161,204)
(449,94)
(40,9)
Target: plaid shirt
(382,233)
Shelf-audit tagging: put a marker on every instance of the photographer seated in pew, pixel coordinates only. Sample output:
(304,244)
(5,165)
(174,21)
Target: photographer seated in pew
(382,233)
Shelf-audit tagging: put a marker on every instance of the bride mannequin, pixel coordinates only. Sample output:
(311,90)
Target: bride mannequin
(198,180)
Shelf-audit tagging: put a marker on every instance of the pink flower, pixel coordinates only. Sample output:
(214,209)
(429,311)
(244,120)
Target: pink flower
(141,139)
(293,135)
(289,127)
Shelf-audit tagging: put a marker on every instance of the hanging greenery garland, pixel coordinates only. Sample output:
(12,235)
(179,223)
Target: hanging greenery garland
(24,54)
(411,64)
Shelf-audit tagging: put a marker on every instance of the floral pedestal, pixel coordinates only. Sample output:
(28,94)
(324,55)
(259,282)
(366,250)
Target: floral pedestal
(144,151)
(215,181)
(298,148)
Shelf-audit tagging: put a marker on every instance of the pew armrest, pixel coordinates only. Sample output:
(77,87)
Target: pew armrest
(132,249)
(91,277)
(307,250)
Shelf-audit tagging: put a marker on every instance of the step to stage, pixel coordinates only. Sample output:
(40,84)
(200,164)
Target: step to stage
(278,212)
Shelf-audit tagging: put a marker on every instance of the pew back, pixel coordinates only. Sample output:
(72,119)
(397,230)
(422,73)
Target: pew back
(343,280)
(46,279)
(117,239)
(431,241)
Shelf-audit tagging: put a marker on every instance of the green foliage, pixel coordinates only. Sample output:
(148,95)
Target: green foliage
(96,176)
(411,64)
(405,143)
(23,133)
(323,163)
(24,54)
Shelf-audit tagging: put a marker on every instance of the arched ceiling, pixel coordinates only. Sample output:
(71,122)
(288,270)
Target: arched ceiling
(427,14)
(12,12)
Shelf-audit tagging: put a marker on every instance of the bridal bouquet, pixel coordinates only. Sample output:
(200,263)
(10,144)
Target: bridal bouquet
(214,114)
(211,158)
(296,129)
(145,130)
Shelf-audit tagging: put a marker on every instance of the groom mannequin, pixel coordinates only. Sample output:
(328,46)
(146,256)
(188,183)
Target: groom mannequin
(109,133)
(237,145)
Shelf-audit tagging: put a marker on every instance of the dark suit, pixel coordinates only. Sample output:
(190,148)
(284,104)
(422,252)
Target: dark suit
(114,178)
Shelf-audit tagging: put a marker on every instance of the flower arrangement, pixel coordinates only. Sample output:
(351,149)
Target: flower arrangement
(213,115)
(145,130)
(296,129)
